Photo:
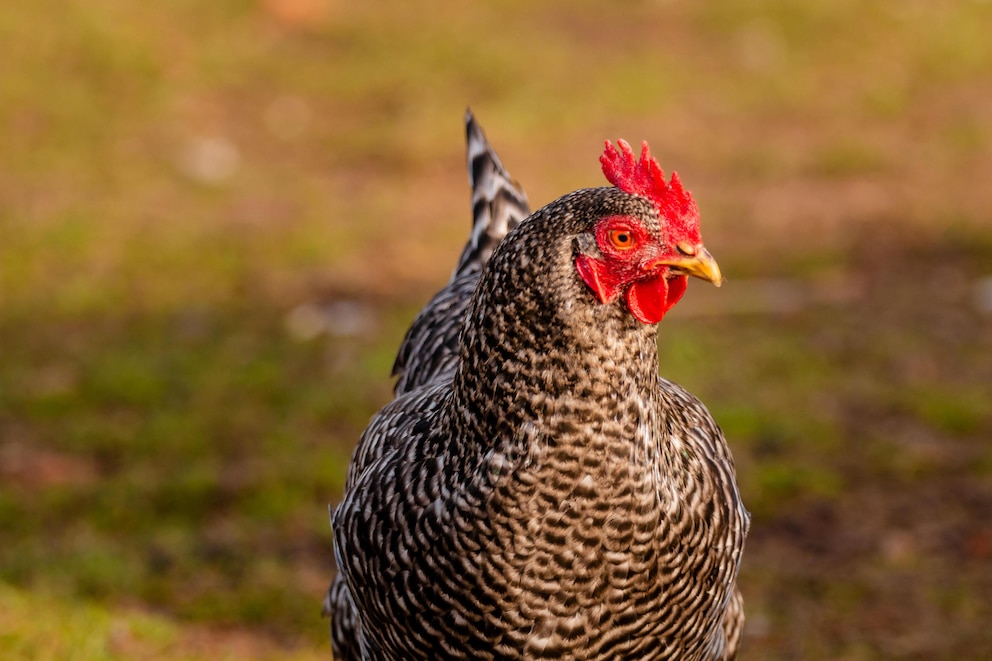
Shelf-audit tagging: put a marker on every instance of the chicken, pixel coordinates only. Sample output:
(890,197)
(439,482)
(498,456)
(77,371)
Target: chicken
(536,490)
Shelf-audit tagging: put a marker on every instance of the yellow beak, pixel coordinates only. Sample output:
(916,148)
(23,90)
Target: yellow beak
(699,264)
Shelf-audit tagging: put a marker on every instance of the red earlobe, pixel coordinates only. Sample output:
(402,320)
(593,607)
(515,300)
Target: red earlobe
(592,272)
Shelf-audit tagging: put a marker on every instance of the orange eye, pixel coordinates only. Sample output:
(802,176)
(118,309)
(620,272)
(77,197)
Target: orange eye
(622,239)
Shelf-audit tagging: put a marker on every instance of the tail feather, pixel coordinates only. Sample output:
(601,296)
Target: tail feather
(430,349)
(498,202)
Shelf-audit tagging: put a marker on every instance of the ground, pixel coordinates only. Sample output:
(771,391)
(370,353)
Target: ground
(217,219)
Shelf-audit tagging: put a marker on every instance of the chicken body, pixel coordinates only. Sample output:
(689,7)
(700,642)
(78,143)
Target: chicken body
(547,494)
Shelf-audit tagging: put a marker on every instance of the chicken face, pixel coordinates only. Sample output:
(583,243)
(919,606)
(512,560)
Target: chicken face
(647,272)
(648,268)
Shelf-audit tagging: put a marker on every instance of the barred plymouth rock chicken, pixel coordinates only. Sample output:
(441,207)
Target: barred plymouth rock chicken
(536,490)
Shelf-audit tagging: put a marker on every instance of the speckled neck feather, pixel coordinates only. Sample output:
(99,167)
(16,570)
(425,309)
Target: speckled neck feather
(539,347)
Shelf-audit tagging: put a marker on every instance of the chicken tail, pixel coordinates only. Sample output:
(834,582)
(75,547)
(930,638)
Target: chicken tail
(498,202)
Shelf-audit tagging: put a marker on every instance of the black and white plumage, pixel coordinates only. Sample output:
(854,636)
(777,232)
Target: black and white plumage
(430,347)
(536,489)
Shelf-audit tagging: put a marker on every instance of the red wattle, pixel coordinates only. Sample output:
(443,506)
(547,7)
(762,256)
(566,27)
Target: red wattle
(649,300)
(676,289)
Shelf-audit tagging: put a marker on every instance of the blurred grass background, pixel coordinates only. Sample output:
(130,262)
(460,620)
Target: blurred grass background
(216,220)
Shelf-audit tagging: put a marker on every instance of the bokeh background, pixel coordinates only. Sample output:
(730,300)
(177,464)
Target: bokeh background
(217,218)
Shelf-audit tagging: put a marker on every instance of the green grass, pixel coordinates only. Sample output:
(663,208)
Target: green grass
(175,179)
(177,445)
(44,628)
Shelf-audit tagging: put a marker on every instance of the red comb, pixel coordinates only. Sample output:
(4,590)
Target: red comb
(645,177)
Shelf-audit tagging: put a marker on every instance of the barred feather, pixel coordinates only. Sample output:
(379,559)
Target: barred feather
(499,204)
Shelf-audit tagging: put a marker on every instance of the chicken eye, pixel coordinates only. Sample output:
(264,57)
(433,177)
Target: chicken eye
(622,239)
